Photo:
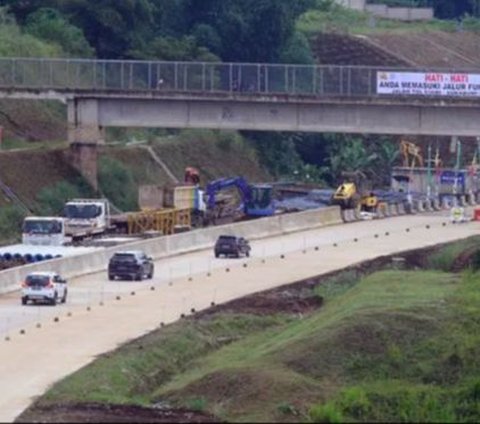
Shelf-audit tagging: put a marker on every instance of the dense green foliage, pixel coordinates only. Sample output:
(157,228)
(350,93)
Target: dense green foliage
(116,182)
(51,200)
(231,30)
(11,220)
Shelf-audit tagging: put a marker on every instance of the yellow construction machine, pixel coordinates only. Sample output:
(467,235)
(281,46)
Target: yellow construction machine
(411,154)
(353,193)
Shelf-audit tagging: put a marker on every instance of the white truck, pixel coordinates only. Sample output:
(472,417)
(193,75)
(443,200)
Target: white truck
(86,218)
(83,219)
(44,231)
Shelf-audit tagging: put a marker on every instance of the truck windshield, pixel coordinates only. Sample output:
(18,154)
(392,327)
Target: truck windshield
(42,227)
(82,211)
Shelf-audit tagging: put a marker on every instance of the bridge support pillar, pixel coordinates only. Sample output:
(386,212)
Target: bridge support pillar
(84,136)
(83,157)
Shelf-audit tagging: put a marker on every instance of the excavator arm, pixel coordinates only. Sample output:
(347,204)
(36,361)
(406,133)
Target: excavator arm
(223,183)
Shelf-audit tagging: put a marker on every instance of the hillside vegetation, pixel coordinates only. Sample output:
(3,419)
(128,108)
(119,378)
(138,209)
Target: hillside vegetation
(299,31)
(391,346)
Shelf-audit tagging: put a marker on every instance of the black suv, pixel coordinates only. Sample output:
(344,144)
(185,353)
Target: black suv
(232,246)
(133,265)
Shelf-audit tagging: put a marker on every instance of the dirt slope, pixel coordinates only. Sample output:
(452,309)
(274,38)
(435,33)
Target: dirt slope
(342,49)
(433,48)
(411,49)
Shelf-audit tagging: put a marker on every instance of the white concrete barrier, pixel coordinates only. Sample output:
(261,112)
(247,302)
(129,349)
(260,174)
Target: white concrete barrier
(348,215)
(381,210)
(357,215)
(410,208)
(420,206)
(428,205)
(471,199)
(159,247)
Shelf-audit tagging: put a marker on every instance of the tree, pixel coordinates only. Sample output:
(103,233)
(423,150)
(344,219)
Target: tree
(110,26)
(448,9)
(297,50)
(351,155)
(48,24)
(250,30)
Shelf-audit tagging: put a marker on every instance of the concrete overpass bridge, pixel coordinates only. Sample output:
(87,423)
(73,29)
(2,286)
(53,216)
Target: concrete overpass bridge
(271,97)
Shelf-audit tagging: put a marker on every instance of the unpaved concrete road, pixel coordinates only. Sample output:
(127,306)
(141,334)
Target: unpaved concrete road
(31,362)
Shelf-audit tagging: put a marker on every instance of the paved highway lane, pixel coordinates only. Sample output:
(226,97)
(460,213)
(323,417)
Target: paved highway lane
(182,283)
(94,289)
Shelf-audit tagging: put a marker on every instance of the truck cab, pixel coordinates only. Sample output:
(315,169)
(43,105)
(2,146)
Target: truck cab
(86,217)
(44,231)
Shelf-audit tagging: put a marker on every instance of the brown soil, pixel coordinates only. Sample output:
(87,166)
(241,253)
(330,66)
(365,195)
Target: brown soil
(342,49)
(33,120)
(295,301)
(465,259)
(28,172)
(410,49)
(97,413)
(431,48)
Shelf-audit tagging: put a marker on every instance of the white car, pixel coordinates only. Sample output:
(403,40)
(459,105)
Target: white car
(44,287)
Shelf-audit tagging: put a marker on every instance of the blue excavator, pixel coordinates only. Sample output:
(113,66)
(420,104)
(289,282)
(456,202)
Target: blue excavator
(257,199)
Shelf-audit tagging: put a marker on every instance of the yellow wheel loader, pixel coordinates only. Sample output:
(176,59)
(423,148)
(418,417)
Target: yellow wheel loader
(353,193)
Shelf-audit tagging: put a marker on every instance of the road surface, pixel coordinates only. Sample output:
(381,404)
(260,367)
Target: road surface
(100,315)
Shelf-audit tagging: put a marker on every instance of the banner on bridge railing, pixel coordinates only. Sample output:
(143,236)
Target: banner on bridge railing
(428,83)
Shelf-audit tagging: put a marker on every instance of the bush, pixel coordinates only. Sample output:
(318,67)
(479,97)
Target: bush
(51,200)
(326,413)
(11,219)
(49,25)
(354,402)
(117,184)
(197,404)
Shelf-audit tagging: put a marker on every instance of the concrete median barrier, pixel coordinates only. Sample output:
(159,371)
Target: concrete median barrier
(357,214)
(381,210)
(428,205)
(349,215)
(471,199)
(436,204)
(420,206)
(87,263)
(410,208)
(401,209)
(393,209)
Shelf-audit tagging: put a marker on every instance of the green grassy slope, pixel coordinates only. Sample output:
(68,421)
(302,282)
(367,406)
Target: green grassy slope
(394,346)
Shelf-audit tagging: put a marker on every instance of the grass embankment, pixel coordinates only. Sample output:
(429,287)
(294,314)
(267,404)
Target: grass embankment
(393,346)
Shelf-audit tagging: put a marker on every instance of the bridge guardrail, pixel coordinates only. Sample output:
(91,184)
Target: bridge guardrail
(194,77)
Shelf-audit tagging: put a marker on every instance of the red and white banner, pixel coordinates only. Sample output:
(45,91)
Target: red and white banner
(428,83)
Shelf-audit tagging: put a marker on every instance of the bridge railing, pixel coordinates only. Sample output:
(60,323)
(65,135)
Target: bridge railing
(193,77)
(130,76)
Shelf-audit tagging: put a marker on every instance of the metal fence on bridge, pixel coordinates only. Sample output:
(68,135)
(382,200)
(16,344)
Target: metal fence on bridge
(134,76)
(192,77)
